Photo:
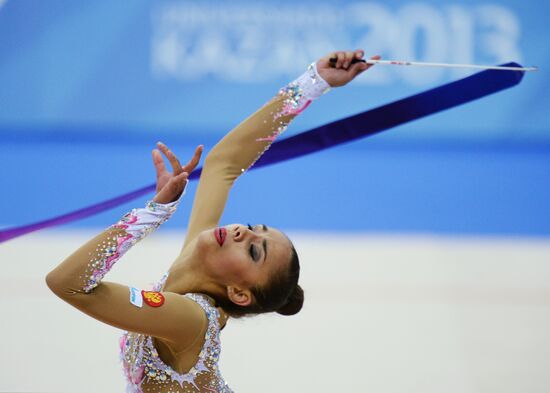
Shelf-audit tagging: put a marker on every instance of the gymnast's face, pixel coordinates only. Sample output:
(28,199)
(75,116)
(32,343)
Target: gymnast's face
(243,256)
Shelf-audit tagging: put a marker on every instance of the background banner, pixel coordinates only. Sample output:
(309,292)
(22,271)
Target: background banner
(87,88)
(204,65)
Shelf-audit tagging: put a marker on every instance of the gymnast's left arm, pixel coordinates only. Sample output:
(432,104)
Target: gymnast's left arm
(240,148)
(78,279)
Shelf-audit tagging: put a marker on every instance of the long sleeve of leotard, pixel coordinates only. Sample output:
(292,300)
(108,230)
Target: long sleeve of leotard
(83,271)
(79,281)
(241,147)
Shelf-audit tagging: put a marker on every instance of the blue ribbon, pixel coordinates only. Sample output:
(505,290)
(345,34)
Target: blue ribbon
(348,129)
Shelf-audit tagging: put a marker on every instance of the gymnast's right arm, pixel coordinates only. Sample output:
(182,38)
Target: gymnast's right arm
(78,280)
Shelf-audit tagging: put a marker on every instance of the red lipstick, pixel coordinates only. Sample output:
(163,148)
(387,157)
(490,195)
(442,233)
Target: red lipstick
(221,234)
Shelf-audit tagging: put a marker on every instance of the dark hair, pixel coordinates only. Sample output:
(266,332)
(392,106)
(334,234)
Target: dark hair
(281,294)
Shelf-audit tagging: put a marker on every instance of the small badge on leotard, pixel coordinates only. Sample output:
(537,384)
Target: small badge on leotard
(135,297)
(154,299)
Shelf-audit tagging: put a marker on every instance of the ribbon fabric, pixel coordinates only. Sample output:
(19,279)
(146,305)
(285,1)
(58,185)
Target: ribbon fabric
(332,134)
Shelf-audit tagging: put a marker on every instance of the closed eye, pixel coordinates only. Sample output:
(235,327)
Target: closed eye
(253,252)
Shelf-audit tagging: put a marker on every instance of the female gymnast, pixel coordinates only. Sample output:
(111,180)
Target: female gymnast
(171,340)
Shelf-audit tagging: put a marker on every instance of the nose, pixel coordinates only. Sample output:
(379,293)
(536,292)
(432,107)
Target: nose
(241,232)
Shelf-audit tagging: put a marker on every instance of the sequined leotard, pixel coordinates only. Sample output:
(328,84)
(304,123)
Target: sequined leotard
(171,317)
(146,372)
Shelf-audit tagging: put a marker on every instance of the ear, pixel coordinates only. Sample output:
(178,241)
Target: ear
(239,296)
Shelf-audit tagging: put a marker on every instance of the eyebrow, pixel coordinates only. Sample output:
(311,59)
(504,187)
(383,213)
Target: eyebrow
(264,227)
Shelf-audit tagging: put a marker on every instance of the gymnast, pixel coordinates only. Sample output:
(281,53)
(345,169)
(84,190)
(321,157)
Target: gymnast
(171,341)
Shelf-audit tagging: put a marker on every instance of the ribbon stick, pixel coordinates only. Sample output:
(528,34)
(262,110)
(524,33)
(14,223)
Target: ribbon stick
(341,131)
(451,65)
(439,65)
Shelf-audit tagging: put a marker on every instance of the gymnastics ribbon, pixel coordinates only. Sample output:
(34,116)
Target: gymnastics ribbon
(348,129)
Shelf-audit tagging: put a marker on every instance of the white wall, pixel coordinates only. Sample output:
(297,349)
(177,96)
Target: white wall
(384,314)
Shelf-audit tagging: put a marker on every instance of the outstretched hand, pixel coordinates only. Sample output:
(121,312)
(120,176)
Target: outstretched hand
(171,185)
(343,71)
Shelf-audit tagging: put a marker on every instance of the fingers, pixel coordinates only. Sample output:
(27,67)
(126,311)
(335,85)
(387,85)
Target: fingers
(344,59)
(348,57)
(358,68)
(173,189)
(192,164)
(176,185)
(176,166)
(336,59)
(170,187)
(158,162)
(340,57)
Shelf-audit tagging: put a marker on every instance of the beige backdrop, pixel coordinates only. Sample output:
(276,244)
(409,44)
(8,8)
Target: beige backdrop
(383,314)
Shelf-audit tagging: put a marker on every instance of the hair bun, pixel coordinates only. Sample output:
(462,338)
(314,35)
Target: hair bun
(295,302)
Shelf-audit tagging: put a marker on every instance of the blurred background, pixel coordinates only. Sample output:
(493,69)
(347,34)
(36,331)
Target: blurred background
(425,250)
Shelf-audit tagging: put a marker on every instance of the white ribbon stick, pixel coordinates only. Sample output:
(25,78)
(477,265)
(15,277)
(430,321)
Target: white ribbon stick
(449,65)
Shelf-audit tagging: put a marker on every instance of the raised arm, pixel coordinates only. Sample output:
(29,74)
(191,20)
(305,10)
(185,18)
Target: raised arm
(241,147)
